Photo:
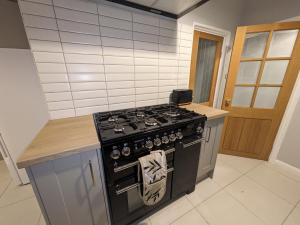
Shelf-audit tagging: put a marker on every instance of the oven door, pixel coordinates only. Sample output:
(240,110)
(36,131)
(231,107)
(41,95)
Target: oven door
(126,204)
(186,164)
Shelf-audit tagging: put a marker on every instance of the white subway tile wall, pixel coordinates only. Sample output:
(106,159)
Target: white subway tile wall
(93,57)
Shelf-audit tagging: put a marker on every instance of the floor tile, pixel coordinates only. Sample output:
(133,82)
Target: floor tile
(25,212)
(4,183)
(145,222)
(281,185)
(263,203)
(224,174)
(203,191)
(42,220)
(222,209)
(294,218)
(4,173)
(191,218)
(243,165)
(16,193)
(285,170)
(172,212)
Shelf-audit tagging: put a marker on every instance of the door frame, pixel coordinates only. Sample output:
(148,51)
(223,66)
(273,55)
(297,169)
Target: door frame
(224,61)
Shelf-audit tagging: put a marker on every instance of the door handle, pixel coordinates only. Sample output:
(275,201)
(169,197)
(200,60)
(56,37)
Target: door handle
(209,131)
(227,102)
(92,172)
(3,146)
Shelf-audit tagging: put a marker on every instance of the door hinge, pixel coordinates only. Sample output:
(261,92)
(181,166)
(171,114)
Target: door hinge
(228,48)
(226,76)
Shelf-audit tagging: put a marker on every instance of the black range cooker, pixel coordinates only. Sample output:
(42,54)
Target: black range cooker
(126,135)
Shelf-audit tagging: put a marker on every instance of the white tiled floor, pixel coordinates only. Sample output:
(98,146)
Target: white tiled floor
(242,192)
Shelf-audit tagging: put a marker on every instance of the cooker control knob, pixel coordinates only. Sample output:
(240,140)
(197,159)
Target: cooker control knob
(179,135)
(149,144)
(157,141)
(126,150)
(200,130)
(172,137)
(165,139)
(115,154)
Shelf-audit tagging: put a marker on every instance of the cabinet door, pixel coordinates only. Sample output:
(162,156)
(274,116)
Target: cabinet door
(70,190)
(207,149)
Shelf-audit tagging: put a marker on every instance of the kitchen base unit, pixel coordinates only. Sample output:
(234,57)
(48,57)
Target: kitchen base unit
(69,189)
(210,148)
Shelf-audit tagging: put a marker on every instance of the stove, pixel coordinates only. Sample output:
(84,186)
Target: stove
(128,134)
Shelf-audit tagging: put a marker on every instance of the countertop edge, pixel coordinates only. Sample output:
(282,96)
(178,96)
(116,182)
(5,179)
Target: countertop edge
(218,116)
(24,163)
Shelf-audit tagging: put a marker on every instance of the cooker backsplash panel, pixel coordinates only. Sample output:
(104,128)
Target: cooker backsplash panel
(92,57)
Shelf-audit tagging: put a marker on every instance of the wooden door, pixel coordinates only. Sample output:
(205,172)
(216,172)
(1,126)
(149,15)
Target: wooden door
(206,55)
(264,65)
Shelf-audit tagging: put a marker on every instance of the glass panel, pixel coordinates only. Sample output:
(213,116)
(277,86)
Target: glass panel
(204,71)
(266,97)
(282,43)
(134,200)
(248,72)
(254,45)
(274,72)
(242,96)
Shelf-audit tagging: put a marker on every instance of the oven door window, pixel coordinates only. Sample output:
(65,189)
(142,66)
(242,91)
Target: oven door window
(134,200)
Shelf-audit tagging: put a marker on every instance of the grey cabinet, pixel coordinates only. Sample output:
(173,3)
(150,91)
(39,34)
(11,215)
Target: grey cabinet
(69,190)
(209,148)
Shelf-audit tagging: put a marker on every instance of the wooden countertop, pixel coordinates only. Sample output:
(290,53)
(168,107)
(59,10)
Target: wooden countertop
(211,113)
(61,137)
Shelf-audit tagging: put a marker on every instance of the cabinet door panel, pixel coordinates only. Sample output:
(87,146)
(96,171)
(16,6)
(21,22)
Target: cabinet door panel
(209,147)
(70,190)
(50,194)
(70,177)
(94,186)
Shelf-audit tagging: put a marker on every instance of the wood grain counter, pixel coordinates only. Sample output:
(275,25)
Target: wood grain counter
(61,137)
(211,113)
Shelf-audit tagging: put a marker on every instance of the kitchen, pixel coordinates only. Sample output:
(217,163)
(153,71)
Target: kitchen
(88,58)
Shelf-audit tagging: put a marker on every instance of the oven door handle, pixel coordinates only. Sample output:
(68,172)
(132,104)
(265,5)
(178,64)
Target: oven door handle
(135,163)
(125,189)
(193,143)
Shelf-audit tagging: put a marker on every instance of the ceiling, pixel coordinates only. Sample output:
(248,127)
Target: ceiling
(169,8)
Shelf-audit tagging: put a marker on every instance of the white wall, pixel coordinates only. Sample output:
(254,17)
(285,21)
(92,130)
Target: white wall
(23,111)
(217,13)
(93,59)
(269,11)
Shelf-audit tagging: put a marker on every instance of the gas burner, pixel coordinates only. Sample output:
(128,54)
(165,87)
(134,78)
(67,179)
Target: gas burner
(172,113)
(140,114)
(150,121)
(119,129)
(113,119)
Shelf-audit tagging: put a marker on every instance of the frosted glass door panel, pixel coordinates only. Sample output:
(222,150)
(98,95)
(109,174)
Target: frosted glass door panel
(274,72)
(248,72)
(282,43)
(242,96)
(254,45)
(266,97)
(205,67)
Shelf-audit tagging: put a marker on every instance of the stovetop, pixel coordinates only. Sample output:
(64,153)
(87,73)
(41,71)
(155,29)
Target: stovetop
(121,123)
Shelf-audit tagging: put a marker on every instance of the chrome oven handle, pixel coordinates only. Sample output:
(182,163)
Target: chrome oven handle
(125,189)
(135,163)
(193,143)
